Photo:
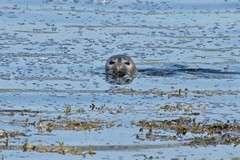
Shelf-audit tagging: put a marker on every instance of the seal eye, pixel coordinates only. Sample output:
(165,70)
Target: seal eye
(111,62)
(127,63)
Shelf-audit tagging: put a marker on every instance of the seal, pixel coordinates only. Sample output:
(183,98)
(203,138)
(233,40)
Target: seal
(120,66)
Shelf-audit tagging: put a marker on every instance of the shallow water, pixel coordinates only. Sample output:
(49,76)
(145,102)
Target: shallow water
(53,54)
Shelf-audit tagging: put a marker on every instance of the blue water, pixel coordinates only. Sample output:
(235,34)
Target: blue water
(53,52)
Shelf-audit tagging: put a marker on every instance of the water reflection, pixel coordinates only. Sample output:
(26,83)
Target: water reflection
(200,72)
(119,80)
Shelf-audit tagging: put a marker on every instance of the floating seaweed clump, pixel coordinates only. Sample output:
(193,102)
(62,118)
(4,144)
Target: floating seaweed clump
(186,108)
(5,134)
(71,125)
(225,139)
(103,107)
(181,93)
(8,135)
(61,149)
(78,125)
(184,125)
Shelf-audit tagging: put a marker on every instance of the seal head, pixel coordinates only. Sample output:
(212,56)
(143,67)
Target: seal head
(121,65)
(120,69)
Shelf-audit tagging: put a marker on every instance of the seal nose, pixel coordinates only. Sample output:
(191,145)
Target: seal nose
(119,61)
(119,64)
(119,67)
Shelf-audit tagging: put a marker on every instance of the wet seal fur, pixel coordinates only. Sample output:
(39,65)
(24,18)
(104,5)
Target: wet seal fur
(120,69)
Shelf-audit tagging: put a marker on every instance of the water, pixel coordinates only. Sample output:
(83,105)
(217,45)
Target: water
(53,55)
